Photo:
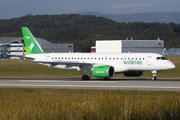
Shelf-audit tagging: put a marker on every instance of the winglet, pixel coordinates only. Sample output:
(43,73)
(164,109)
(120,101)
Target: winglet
(32,46)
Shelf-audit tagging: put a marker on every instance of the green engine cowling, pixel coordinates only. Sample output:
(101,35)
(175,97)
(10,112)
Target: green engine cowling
(104,71)
(133,73)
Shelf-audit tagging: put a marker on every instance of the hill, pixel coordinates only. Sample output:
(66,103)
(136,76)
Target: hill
(73,28)
(83,30)
(165,17)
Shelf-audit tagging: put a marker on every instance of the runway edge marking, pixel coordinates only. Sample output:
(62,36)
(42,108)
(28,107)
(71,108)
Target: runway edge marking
(88,86)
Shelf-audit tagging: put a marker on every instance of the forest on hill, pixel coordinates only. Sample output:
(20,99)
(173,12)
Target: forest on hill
(84,30)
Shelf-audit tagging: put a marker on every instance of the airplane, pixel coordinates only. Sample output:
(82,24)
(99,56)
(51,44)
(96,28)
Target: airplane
(100,65)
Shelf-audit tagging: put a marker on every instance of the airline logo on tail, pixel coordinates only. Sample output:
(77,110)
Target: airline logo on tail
(28,37)
(32,46)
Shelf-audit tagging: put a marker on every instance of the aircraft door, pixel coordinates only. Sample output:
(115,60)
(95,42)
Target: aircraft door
(48,58)
(149,58)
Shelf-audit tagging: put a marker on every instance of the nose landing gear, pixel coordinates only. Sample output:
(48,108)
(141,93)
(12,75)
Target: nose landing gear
(154,75)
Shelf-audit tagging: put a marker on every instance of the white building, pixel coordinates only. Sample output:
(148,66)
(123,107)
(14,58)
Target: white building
(132,46)
(16,49)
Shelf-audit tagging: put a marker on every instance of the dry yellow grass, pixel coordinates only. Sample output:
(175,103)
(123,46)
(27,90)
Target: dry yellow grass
(35,104)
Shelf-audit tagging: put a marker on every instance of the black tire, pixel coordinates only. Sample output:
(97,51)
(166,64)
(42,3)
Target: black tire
(85,77)
(153,78)
(106,78)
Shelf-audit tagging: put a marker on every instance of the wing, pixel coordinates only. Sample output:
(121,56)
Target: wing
(69,64)
(63,63)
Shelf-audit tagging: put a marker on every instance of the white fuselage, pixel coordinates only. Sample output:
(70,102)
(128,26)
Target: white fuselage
(121,62)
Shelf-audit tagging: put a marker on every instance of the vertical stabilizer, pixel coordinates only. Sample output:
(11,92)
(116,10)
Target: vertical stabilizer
(32,46)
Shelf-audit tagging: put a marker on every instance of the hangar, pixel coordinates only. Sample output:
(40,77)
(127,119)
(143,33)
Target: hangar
(12,46)
(129,46)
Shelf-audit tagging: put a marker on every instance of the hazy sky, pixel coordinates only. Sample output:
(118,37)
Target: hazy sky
(18,8)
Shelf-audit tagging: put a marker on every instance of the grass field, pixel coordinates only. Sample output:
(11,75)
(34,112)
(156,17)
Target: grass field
(77,104)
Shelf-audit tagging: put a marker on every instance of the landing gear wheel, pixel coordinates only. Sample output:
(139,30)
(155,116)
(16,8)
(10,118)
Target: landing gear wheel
(153,78)
(154,75)
(106,78)
(85,77)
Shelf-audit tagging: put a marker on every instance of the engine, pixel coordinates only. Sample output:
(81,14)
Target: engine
(133,73)
(104,71)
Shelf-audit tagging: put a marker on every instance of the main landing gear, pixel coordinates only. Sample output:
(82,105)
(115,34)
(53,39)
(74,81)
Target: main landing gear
(87,76)
(154,75)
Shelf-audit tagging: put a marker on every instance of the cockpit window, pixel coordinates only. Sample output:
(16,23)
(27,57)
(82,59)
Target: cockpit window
(161,58)
(158,58)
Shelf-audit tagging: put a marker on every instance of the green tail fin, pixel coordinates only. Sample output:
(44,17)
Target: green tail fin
(32,46)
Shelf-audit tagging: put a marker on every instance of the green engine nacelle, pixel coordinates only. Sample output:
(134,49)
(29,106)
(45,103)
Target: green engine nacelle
(104,71)
(133,73)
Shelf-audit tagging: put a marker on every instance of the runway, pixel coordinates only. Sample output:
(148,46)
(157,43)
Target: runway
(77,83)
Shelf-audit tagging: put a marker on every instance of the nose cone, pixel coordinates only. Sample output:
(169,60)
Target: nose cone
(171,66)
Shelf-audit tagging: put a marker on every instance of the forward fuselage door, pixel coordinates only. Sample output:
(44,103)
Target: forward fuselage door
(48,58)
(149,59)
